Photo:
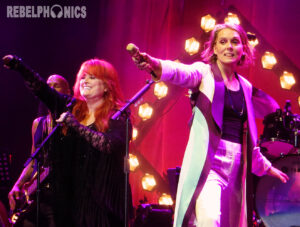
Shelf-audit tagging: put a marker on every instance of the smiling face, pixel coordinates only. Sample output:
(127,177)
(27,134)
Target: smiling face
(228,47)
(91,87)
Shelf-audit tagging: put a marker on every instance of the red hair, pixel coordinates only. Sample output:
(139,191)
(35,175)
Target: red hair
(112,97)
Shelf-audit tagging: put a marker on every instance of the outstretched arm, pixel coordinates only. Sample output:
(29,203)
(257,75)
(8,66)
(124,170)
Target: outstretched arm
(55,102)
(188,76)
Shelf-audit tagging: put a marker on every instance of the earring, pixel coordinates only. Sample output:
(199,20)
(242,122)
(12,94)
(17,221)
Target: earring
(214,57)
(242,60)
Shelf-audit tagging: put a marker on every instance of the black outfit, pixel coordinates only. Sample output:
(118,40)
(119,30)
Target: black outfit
(234,115)
(87,175)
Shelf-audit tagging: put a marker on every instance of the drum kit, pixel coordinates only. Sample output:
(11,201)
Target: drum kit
(278,204)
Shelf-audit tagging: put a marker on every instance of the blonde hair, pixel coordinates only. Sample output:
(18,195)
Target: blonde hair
(208,54)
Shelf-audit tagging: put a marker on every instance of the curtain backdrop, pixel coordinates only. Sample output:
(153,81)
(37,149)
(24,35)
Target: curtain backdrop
(160,28)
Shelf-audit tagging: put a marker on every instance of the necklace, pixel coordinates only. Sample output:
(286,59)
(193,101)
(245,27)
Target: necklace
(239,113)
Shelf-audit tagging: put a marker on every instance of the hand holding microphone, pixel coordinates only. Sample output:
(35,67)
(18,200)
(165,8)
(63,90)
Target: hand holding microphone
(15,63)
(69,108)
(11,61)
(145,61)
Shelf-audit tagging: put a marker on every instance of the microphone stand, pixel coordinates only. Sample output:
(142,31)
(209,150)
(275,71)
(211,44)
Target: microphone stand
(35,157)
(126,158)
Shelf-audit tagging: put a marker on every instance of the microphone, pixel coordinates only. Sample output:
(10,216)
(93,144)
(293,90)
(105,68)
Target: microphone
(11,61)
(15,63)
(135,52)
(69,108)
(71,104)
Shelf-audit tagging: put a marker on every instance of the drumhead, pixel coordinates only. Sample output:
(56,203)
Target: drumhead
(278,204)
(280,135)
(277,148)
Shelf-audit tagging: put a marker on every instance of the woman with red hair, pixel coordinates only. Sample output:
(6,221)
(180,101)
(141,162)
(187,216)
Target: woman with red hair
(99,180)
(86,154)
(106,92)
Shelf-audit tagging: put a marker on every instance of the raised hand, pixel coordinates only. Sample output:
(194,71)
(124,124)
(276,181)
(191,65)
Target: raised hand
(144,61)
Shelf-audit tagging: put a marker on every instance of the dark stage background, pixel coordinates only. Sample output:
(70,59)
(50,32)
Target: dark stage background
(159,27)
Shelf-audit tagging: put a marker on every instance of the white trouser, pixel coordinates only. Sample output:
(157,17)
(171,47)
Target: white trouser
(220,199)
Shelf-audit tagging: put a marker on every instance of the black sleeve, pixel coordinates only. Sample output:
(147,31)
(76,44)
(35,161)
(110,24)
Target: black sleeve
(54,101)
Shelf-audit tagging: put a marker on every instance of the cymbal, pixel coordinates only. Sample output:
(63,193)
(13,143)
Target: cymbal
(263,103)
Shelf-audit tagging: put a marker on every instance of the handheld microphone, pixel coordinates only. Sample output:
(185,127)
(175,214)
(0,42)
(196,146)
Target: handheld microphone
(135,52)
(15,63)
(11,61)
(71,104)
